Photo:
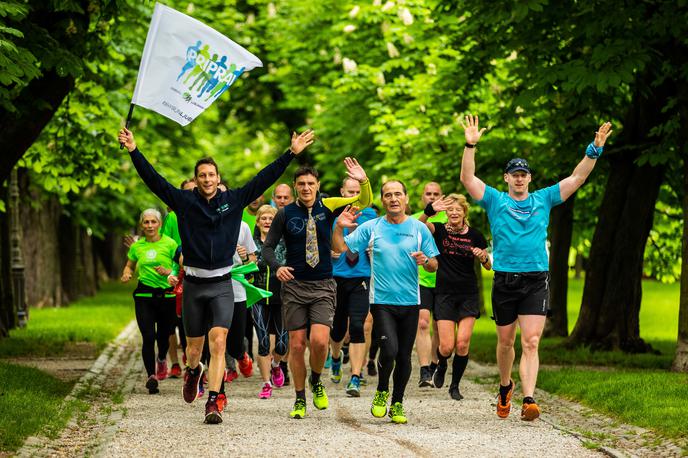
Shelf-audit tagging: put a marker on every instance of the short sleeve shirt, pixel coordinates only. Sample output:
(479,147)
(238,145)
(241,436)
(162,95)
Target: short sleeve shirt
(342,268)
(170,228)
(429,279)
(149,255)
(456,273)
(519,228)
(394,272)
(245,240)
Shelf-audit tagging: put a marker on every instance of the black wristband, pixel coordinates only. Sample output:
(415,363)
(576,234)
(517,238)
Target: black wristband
(468,145)
(429,211)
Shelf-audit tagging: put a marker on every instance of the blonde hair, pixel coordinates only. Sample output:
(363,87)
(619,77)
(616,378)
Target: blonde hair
(463,203)
(150,212)
(263,209)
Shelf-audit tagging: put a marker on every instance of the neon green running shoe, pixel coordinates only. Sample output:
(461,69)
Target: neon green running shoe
(319,396)
(379,406)
(299,411)
(396,413)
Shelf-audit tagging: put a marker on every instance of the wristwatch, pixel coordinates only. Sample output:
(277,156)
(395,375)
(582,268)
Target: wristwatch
(427,260)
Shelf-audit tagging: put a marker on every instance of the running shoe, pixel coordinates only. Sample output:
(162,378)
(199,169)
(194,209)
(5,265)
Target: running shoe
(299,411)
(454,393)
(161,369)
(175,371)
(396,413)
(201,388)
(438,376)
(245,365)
(230,374)
(425,377)
(336,371)
(221,402)
(320,400)
(213,415)
(277,376)
(192,384)
(266,391)
(363,380)
(353,389)
(328,361)
(152,385)
(530,411)
(504,409)
(285,371)
(379,406)
(372,368)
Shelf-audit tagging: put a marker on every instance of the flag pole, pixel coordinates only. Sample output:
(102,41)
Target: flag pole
(126,124)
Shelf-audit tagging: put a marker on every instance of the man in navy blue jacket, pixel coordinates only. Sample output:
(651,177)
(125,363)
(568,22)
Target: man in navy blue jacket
(209,222)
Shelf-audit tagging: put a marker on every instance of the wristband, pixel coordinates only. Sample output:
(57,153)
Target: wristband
(429,211)
(592,151)
(485,261)
(468,145)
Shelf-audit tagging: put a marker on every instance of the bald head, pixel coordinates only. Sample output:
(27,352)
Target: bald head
(431,192)
(282,195)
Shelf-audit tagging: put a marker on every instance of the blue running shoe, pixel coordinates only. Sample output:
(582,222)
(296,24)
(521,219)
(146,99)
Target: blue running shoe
(336,371)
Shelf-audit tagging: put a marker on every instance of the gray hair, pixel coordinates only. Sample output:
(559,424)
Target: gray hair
(150,212)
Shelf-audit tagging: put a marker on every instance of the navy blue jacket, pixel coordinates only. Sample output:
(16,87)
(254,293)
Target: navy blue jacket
(209,230)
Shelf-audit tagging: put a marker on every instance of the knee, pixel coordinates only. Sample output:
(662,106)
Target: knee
(218,344)
(423,324)
(530,343)
(280,347)
(505,344)
(297,346)
(193,351)
(356,333)
(462,346)
(445,348)
(263,350)
(319,344)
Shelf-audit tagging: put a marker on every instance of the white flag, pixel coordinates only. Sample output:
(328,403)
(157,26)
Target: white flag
(186,66)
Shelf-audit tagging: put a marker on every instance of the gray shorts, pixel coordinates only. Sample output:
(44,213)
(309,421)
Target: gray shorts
(308,302)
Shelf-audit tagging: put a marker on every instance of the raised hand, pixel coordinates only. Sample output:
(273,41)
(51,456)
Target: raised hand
(354,169)
(348,217)
(602,134)
(441,204)
(126,138)
(471,129)
(302,141)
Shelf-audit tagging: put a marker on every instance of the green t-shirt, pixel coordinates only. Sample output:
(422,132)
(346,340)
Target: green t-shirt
(426,278)
(249,219)
(148,256)
(170,228)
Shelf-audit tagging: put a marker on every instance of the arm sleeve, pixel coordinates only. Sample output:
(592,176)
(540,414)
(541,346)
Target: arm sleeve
(264,179)
(272,239)
(364,199)
(554,195)
(357,241)
(155,182)
(428,245)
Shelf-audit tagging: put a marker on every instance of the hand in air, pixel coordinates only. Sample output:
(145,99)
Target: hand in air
(471,129)
(602,134)
(302,141)
(354,169)
(348,217)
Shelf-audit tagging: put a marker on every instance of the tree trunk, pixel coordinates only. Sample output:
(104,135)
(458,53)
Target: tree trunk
(680,363)
(40,245)
(6,300)
(561,232)
(578,266)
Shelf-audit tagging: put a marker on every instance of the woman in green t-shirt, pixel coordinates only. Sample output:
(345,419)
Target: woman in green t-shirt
(152,257)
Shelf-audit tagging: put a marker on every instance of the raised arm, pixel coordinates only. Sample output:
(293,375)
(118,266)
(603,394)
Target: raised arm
(432,209)
(570,184)
(346,219)
(364,199)
(270,174)
(474,185)
(169,194)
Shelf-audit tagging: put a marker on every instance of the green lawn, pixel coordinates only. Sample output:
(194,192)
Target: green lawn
(53,331)
(32,401)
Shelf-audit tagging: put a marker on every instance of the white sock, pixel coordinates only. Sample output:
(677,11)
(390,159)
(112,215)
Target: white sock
(275,363)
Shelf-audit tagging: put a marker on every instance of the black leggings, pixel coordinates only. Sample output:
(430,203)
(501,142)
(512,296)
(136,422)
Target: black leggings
(235,339)
(351,310)
(395,330)
(268,320)
(152,311)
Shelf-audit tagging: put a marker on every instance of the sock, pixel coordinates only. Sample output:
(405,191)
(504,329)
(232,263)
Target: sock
(432,366)
(212,396)
(528,400)
(315,377)
(301,394)
(336,360)
(442,360)
(358,376)
(222,386)
(458,368)
(503,391)
(275,363)
(397,398)
(269,383)
(161,360)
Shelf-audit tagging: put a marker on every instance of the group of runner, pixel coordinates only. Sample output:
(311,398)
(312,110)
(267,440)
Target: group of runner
(324,264)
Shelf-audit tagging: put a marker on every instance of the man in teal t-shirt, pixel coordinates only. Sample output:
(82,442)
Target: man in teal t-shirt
(520,290)
(426,346)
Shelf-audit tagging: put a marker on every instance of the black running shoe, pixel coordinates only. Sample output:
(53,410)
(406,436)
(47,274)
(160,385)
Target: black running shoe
(285,370)
(454,393)
(438,376)
(372,368)
(425,377)
(152,385)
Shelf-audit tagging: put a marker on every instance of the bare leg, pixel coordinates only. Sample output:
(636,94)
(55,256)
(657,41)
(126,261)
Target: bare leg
(297,361)
(505,351)
(423,341)
(217,338)
(194,349)
(531,331)
(320,336)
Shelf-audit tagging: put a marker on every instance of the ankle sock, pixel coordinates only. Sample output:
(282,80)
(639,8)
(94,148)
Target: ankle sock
(503,391)
(528,400)
(315,377)
(212,396)
(301,394)
(275,363)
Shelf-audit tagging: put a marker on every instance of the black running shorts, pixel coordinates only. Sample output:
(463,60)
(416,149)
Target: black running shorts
(456,306)
(519,293)
(427,298)
(206,305)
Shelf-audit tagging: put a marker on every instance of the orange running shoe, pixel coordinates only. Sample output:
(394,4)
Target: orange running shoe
(245,365)
(530,411)
(221,402)
(503,410)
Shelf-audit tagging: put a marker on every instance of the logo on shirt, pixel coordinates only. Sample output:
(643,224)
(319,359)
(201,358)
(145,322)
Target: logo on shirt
(401,234)
(151,254)
(223,208)
(296,225)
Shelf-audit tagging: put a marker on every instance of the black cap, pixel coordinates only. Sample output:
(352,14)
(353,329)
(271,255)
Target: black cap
(517,164)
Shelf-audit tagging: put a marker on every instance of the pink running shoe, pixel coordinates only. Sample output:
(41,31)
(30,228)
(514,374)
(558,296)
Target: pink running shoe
(161,369)
(277,376)
(266,392)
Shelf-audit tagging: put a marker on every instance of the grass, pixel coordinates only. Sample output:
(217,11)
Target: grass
(59,331)
(32,401)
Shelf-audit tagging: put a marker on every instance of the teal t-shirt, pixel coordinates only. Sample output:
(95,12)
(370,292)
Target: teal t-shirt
(519,228)
(148,256)
(170,228)
(428,279)
(394,272)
